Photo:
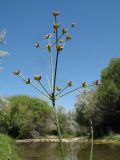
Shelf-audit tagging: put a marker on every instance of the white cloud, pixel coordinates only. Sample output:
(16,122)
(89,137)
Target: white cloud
(2,36)
(1,68)
(3,53)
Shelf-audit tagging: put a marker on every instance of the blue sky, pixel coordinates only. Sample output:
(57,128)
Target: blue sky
(96,39)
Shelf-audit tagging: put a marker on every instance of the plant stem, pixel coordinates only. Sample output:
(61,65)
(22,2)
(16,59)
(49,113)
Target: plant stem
(91,152)
(58,129)
(43,87)
(75,90)
(51,64)
(56,63)
(48,83)
(53,98)
(62,90)
(21,76)
(60,37)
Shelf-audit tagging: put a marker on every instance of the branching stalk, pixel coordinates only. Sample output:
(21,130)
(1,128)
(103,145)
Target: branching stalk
(34,86)
(62,90)
(60,37)
(43,87)
(53,98)
(56,64)
(74,90)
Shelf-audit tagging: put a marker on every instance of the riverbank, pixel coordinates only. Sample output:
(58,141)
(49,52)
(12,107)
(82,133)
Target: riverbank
(68,140)
(8,148)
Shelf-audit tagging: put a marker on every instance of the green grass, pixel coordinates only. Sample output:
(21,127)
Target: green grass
(8,148)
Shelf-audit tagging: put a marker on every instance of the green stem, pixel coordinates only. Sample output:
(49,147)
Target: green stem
(62,90)
(74,90)
(49,83)
(56,63)
(43,87)
(91,152)
(53,99)
(51,63)
(34,86)
(60,37)
(58,129)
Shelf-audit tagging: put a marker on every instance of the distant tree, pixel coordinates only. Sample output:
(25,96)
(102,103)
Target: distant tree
(63,119)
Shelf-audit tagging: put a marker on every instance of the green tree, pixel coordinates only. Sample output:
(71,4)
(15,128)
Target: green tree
(64,121)
(108,98)
(84,111)
(27,117)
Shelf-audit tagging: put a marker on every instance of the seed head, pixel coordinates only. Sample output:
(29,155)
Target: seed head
(59,47)
(61,41)
(68,37)
(28,81)
(73,25)
(48,36)
(64,30)
(49,47)
(37,77)
(17,72)
(37,45)
(69,83)
(84,85)
(56,13)
(56,25)
(58,89)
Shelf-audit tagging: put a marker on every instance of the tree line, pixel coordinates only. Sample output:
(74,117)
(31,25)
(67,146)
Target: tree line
(23,116)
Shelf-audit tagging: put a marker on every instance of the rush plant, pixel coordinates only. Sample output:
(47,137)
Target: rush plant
(54,92)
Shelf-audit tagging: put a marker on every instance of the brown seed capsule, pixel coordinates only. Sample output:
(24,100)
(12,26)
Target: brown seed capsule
(56,13)
(59,47)
(73,25)
(49,47)
(54,30)
(69,83)
(68,37)
(84,84)
(37,45)
(58,89)
(37,77)
(56,25)
(61,41)
(64,30)
(28,81)
(17,72)
(48,36)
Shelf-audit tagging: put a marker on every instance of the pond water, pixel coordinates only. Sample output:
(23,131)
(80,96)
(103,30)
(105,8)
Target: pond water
(73,151)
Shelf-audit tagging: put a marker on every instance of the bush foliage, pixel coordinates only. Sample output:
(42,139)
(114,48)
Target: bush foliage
(102,105)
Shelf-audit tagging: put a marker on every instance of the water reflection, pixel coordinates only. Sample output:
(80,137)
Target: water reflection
(73,151)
